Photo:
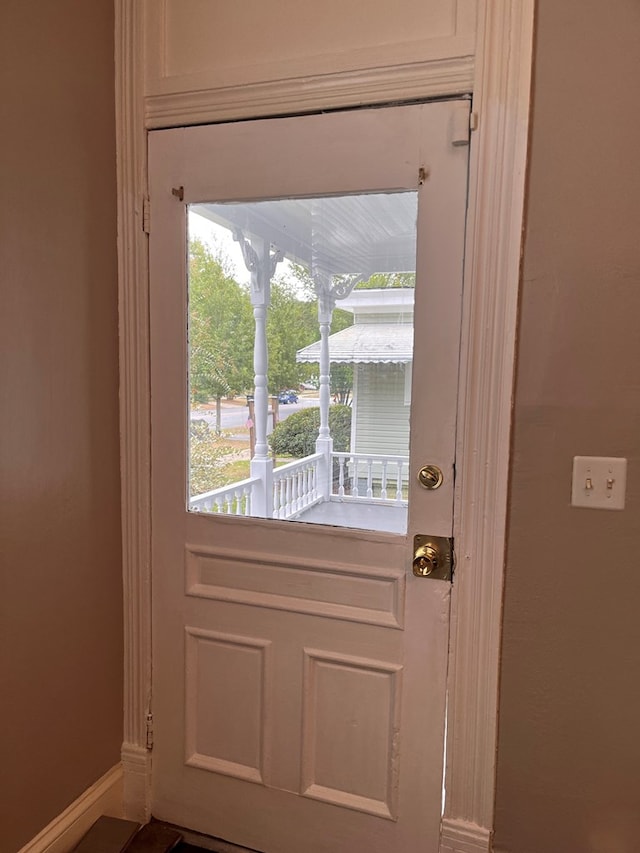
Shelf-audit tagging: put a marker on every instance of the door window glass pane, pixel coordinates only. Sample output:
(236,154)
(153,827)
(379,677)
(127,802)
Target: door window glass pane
(300,329)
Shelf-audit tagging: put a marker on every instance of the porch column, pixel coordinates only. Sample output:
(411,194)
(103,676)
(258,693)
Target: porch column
(324,442)
(261,261)
(328,292)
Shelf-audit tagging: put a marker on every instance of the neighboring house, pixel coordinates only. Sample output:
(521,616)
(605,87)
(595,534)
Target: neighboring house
(379,346)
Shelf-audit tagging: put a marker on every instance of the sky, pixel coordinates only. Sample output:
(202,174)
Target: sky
(218,237)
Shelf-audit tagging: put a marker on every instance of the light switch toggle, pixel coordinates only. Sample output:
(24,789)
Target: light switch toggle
(599,482)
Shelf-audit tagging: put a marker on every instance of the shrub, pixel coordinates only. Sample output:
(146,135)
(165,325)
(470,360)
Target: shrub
(296,436)
(207,458)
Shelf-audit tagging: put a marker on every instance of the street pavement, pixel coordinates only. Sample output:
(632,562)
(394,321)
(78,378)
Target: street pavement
(234,415)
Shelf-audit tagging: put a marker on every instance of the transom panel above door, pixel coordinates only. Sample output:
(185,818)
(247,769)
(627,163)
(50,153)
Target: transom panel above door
(300,668)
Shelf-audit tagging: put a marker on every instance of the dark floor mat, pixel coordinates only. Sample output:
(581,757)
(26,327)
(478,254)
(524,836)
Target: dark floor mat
(108,835)
(188,848)
(155,838)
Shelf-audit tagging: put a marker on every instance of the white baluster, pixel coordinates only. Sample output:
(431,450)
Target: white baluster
(304,487)
(383,485)
(399,484)
(283,497)
(341,477)
(299,489)
(288,497)
(369,478)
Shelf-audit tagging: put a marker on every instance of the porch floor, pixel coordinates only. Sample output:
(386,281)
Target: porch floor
(386,518)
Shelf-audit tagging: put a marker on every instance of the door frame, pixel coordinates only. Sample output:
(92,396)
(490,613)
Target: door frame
(501,95)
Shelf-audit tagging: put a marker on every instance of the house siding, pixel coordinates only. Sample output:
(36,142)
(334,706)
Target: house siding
(381,416)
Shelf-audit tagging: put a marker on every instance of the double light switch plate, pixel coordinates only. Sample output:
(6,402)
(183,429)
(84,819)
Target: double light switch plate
(599,482)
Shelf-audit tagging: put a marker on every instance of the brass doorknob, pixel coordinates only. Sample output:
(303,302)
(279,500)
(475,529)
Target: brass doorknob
(426,560)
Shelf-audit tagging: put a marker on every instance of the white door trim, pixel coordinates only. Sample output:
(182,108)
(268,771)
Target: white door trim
(428,79)
(135,445)
(492,272)
(496,194)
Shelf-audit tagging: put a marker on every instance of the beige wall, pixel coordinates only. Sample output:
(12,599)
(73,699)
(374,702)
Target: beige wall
(569,751)
(60,591)
(569,744)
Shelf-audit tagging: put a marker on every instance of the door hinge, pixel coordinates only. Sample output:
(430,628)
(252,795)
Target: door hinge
(149,725)
(146,214)
(460,127)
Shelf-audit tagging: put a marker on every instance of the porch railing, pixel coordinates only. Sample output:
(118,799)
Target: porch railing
(295,486)
(370,478)
(363,477)
(234,499)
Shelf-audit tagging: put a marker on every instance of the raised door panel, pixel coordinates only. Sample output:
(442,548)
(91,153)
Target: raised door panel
(222,733)
(351,712)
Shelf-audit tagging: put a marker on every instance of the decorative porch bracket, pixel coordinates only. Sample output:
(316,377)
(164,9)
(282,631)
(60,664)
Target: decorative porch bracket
(261,261)
(328,293)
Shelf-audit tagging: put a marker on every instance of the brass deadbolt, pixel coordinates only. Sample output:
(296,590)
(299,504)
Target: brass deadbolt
(430,476)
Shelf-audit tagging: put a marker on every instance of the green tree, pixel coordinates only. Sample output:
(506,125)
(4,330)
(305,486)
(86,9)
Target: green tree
(341,383)
(292,323)
(220,329)
(381,280)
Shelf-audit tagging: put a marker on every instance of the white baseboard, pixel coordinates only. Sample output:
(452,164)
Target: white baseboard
(460,836)
(64,831)
(136,765)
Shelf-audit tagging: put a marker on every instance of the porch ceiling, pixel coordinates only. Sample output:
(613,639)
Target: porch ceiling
(354,234)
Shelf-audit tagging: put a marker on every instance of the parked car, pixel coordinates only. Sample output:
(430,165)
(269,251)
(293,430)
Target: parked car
(289,396)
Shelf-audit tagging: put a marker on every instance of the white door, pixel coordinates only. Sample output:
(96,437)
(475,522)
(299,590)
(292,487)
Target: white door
(299,669)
